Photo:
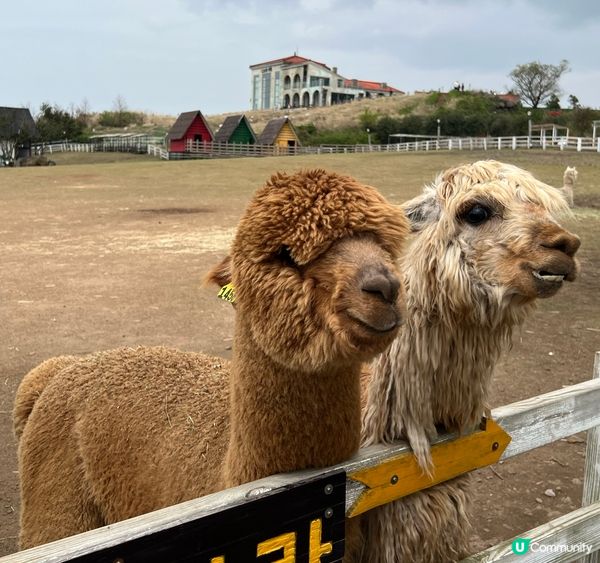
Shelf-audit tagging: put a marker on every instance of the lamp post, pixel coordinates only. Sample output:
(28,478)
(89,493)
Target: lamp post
(369,136)
(529,125)
(439,129)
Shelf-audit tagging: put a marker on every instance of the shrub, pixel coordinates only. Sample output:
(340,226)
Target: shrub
(368,119)
(120,118)
(310,136)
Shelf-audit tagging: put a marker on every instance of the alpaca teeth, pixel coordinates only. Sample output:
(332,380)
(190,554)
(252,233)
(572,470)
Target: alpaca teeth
(549,277)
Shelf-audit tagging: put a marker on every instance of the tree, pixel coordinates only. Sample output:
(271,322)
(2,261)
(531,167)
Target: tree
(120,111)
(83,113)
(553,102)
(10,142)
(536,82)
(55,123)
(17,129)
(574,102)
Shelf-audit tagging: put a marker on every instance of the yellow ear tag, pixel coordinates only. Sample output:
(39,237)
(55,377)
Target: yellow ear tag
(227,293)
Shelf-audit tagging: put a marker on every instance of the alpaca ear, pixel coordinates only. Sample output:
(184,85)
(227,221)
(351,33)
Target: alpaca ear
(421,211)
(220,274)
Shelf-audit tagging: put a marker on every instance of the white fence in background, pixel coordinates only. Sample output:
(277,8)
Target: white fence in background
(105,143)
(154,146)
(197,150)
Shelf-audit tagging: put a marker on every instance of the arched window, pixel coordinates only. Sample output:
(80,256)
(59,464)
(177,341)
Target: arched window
(296,101)
(316,98)
(287,83)
(286,101)
(297,81)
(305,99)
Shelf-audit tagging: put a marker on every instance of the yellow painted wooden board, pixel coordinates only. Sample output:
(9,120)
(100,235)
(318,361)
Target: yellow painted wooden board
(402,475)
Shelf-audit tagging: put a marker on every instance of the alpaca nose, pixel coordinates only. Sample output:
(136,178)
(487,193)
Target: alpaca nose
(564,242)
(380,282)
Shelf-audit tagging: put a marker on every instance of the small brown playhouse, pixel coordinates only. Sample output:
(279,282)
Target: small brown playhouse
(236,129)
(279,133)
(190,126)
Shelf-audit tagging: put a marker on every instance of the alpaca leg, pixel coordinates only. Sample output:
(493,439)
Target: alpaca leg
(55,499)
(431,526)
(71,513)
(354,540)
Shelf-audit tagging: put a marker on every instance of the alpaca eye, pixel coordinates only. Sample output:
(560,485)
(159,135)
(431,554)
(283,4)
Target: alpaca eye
(284,256)
(477,214)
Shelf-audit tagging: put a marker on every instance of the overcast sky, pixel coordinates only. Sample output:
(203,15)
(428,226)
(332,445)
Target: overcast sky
(170,56)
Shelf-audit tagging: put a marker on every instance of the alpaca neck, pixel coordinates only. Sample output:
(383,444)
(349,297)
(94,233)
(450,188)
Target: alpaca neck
(283,419)
(569,181)
(438,371)
(457,361)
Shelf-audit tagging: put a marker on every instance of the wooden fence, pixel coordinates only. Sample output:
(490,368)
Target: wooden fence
(198,149)
(531,423)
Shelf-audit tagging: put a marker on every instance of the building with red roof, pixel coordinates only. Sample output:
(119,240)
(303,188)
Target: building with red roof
(296,81)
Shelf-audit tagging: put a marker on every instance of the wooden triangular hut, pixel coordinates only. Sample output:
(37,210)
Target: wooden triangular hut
(190,125)
(236,129)
(280,133)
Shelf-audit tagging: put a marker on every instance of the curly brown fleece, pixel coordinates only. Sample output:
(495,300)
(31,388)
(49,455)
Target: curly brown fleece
(123,432)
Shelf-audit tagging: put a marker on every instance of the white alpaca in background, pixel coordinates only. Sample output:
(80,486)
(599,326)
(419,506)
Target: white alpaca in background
(569,181)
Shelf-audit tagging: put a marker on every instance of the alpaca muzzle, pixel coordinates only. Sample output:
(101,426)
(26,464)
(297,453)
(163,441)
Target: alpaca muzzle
(378,306)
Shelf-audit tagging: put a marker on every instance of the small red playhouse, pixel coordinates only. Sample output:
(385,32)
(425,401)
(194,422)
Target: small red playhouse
(190,125)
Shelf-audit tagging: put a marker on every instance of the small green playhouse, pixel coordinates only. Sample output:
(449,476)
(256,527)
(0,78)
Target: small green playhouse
(236,129)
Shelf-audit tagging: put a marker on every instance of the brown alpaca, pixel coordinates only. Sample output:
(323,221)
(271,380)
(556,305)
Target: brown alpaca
(486,247)
(124,432)
(569,181)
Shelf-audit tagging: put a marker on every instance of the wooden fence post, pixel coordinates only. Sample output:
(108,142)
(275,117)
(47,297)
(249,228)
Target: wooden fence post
(591,476)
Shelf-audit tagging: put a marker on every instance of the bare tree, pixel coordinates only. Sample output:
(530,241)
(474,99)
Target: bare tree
(83,112)
(11,137)
(536,82)
(120,110)
(120,105)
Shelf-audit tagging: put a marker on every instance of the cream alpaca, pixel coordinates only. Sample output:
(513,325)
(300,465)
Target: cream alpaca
(120,433)
(569,181)
(486,247)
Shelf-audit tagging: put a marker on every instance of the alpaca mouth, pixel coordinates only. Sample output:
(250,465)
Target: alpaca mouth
(378,326)
(549,277)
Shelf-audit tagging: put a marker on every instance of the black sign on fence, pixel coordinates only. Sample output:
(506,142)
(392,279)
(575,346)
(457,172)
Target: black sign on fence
(301,524)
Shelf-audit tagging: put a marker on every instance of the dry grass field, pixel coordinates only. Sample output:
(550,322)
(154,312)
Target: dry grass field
(107,250)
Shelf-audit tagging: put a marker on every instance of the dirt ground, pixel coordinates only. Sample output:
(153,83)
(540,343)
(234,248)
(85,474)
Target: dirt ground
(106,254)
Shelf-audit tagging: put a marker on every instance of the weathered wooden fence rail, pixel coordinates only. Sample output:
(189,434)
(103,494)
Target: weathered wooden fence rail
(531,423)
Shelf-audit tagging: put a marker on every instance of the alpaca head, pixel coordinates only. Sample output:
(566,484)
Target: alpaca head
(570,176)
(313,267)
(488,238)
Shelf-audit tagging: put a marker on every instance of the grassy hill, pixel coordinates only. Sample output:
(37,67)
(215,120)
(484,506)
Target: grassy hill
(325,118)
(455,113)
(331,117)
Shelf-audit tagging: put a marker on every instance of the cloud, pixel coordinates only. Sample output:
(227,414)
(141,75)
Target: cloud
(188,54)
